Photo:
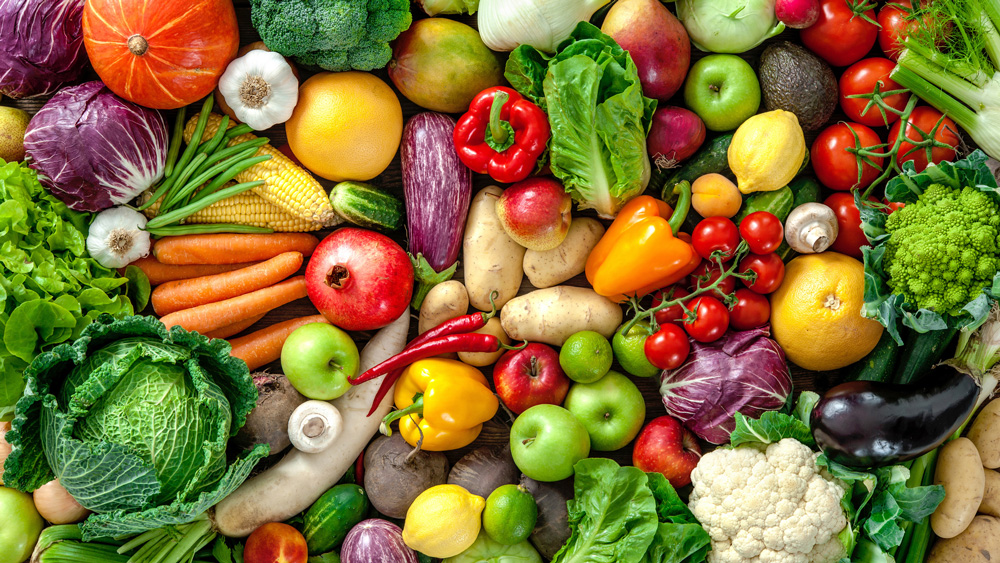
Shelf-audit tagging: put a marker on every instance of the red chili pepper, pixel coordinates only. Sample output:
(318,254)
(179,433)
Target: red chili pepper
(470,342)
(502,135)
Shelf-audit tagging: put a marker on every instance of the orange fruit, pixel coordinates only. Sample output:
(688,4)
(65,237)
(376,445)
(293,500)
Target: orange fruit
(816,313)
(346,125)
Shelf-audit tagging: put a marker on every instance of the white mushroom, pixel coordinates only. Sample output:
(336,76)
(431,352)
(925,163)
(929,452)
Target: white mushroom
(811,228)
(314,425)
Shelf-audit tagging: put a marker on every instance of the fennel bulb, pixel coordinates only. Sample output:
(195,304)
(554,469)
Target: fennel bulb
(543,24)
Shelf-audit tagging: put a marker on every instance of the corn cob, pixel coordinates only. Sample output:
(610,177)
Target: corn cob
(286,185)
(246,208)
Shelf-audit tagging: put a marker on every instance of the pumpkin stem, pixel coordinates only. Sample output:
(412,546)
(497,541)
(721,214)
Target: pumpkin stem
(138,45)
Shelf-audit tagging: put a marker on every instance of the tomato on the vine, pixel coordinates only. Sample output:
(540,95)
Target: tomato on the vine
(770,272)
(918,127)
(850,237)
(862,78)
(712,319)
(668,347)
(896,19)
(835,166)
(762,231)
(673,313)
(715,233)
(751,310)
(893,205)
(705,275)
(844,32)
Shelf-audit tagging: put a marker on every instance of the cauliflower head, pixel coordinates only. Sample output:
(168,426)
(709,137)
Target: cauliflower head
(771,505)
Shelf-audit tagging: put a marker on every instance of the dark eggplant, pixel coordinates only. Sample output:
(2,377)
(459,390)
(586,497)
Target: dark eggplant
(871,424)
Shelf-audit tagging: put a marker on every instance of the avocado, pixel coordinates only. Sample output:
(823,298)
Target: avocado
(795,80)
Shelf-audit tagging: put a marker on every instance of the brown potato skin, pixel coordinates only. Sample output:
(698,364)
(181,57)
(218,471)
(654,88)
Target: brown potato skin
(483,359)
(492,258)
(443,302)
(552,315)
(979,543)
(546,268)
(985,434)
(991,494)
(961,472)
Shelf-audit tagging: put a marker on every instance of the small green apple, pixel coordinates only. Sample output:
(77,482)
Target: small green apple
(20,525)
(611,409)
(546,441)
(318,358)
(723,90)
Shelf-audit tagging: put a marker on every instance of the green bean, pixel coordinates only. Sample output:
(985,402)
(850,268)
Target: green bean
(232,171)
(186,157)
(175,142)
(227,152)
(178,230)
(241,129)
(182,178)
(207,175)
(180,213)
(210,146)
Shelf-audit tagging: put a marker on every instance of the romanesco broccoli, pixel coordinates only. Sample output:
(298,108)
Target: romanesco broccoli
(943,249)
(334,35)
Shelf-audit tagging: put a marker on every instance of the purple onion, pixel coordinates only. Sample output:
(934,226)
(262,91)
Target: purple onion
(376,540)
(94,150)
(744,371)
(41,46)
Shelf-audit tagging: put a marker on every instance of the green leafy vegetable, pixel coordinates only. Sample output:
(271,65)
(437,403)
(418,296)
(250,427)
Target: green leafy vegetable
(679,536)
(485,550)
(771,427)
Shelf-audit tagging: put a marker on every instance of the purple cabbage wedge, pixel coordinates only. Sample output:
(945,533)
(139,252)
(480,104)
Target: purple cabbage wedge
(94,150)
(41,46)
(437,188)
(376,540)
(744,371)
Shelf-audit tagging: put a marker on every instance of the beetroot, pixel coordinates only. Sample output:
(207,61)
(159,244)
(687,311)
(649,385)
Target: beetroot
(376,540)
(675,135)
(797,14)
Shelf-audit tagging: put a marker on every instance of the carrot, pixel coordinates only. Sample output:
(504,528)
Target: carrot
(260,348)
(159,273)
(233,329)
(184,294)
(213,316)
(225,248)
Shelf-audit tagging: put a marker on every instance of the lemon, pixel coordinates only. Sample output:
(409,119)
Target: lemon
(586,356)
(767,151)
(630,350)
(510,514)
(443,521)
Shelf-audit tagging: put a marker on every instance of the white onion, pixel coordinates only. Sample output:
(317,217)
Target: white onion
(57,506)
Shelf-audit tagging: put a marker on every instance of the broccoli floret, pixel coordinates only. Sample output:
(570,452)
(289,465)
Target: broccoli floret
(942,249)
(334,35)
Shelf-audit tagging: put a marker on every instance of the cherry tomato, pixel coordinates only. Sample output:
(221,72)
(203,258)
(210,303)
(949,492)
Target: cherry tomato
(850,237)
(861,78)
(893,205)
(896,19)
(751,310)
(715,233)
(712,319)
(840,36)
(673,313)
(837,168)
(705,275)
(668,347)
(770,272)
(921,123)
(762,231)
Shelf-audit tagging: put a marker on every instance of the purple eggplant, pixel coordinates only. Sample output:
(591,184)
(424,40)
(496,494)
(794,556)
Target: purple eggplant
(871,424)
(437,188)
(376,540)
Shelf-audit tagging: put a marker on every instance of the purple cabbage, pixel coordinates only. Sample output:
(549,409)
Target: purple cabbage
(94,150)
(744,371)
(41,46)
(376,540)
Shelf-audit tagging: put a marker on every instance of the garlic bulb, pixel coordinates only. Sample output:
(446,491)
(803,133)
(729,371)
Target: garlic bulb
(260,88)
(543,24)
(116,237)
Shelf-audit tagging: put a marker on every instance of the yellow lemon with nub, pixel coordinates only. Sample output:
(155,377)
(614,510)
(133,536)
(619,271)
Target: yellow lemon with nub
(443,521)
(767,151)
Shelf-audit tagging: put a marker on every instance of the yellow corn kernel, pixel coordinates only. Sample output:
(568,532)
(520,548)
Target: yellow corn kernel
(246,208)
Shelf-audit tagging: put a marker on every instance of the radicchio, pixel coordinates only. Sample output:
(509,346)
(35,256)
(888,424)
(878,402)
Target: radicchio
(744,371)
(41,46)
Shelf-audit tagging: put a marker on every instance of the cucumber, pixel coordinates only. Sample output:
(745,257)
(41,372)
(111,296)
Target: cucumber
(879,364)
(921,351)
(367,206)
(713,157)
(778,203)
(328,520)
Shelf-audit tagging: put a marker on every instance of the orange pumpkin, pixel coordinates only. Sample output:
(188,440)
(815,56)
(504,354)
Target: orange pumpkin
(161,54)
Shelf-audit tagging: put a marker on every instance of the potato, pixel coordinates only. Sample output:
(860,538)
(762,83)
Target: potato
(985,434)
(551,315)
(483,359)
(444,302)
(991,494)
(979,543)
(713,195)
(552,267)
(960,471)
(492,258)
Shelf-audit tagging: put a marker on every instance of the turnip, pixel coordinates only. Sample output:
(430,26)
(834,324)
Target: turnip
(675,135)
(267,423)
(797,14)
(395,473)
(484,469)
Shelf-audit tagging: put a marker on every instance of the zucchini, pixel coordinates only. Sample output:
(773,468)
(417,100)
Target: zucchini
(713,157)
(921,351)
(367,206)
(328,520)
(879,364)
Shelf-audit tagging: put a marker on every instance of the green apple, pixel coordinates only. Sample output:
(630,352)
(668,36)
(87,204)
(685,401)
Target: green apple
(318,358)
(723,90)
(611,409)
(546,441)
(20,525)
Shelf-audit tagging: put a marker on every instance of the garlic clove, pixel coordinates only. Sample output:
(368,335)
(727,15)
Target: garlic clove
(116,237)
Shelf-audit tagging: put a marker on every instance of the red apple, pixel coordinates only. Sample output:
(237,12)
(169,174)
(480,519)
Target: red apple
(536,213)
(530,376)
(359,279)
(275,543)
(666,447)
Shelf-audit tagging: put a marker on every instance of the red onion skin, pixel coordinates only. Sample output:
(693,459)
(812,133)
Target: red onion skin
(675,135)
(376,540)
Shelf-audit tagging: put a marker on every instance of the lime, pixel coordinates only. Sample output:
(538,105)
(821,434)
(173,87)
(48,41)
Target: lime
(510,514)
(630,350)
(586,356)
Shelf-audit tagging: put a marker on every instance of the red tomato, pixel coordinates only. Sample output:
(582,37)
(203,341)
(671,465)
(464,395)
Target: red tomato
(673,313)
(705,275)
(837,168)
(751,310)
(895,27)
(840,36)
(850,237)
(770,272)
(715,233)
(712,319)
(893,205)
(762,231)
(668,347)
(921,123)
(861,78)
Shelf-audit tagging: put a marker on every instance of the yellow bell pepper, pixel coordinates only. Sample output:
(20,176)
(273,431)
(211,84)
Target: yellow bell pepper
(442,402)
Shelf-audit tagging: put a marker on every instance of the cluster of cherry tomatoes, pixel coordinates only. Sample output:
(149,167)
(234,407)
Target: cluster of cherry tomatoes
(706,317)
